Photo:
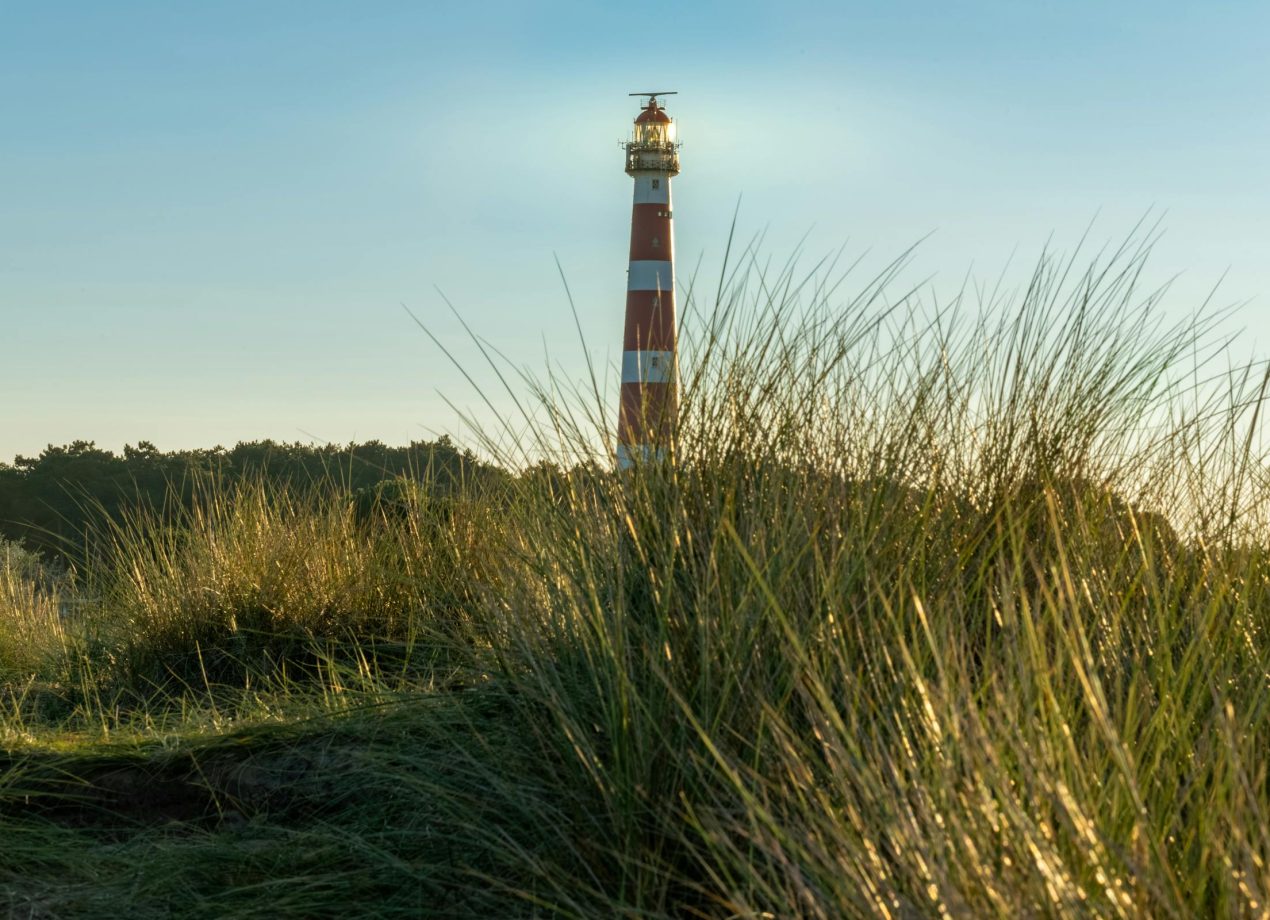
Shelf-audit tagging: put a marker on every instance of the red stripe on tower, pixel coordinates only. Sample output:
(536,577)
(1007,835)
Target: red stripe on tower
(649,401)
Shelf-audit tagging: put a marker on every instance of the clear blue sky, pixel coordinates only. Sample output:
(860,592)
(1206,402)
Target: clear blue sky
(210,214)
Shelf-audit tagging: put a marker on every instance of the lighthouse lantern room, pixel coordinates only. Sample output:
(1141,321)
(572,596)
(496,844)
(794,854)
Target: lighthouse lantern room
(649,398)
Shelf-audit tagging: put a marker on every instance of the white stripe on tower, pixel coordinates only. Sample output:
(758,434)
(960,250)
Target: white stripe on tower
(649,398)
(641,453)
(647,366)
(650,275)
(647,193)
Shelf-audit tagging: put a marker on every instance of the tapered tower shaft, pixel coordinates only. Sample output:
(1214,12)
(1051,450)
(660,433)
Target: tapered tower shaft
(649,398)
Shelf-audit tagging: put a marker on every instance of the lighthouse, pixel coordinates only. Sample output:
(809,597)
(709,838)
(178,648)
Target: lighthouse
(649,401)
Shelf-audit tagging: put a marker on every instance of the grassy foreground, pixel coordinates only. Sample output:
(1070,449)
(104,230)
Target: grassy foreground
(941,611)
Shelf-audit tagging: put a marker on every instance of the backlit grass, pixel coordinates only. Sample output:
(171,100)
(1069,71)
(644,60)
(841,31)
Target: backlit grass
(941,610)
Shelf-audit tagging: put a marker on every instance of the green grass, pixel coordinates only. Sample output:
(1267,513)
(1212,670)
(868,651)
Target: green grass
(941,610)
(31,633)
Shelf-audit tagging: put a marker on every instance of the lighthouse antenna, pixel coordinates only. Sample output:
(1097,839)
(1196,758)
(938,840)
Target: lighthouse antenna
(652,97)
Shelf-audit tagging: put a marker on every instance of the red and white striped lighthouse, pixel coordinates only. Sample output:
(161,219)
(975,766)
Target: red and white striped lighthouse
(649,400)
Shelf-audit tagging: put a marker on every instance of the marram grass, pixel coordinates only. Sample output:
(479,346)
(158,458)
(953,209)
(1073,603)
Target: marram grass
(31,633)
(942,610)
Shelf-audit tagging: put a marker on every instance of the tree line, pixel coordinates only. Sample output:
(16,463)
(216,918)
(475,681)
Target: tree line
(54,502)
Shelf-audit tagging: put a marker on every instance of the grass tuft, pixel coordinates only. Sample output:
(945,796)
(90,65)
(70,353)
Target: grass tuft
(942,609)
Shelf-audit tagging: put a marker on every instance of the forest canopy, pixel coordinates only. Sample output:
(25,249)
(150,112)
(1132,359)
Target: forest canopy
(52,502)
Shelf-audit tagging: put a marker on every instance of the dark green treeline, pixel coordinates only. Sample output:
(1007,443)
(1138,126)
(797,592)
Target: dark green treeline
(54,502)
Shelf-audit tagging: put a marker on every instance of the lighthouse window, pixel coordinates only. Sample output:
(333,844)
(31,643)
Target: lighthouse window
(653,135)
(656,183)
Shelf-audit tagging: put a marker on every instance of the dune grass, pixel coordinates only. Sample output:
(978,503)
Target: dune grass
(31,634)
(941,610)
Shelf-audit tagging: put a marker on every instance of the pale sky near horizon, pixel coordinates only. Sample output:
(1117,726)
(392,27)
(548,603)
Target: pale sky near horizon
(211,214)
